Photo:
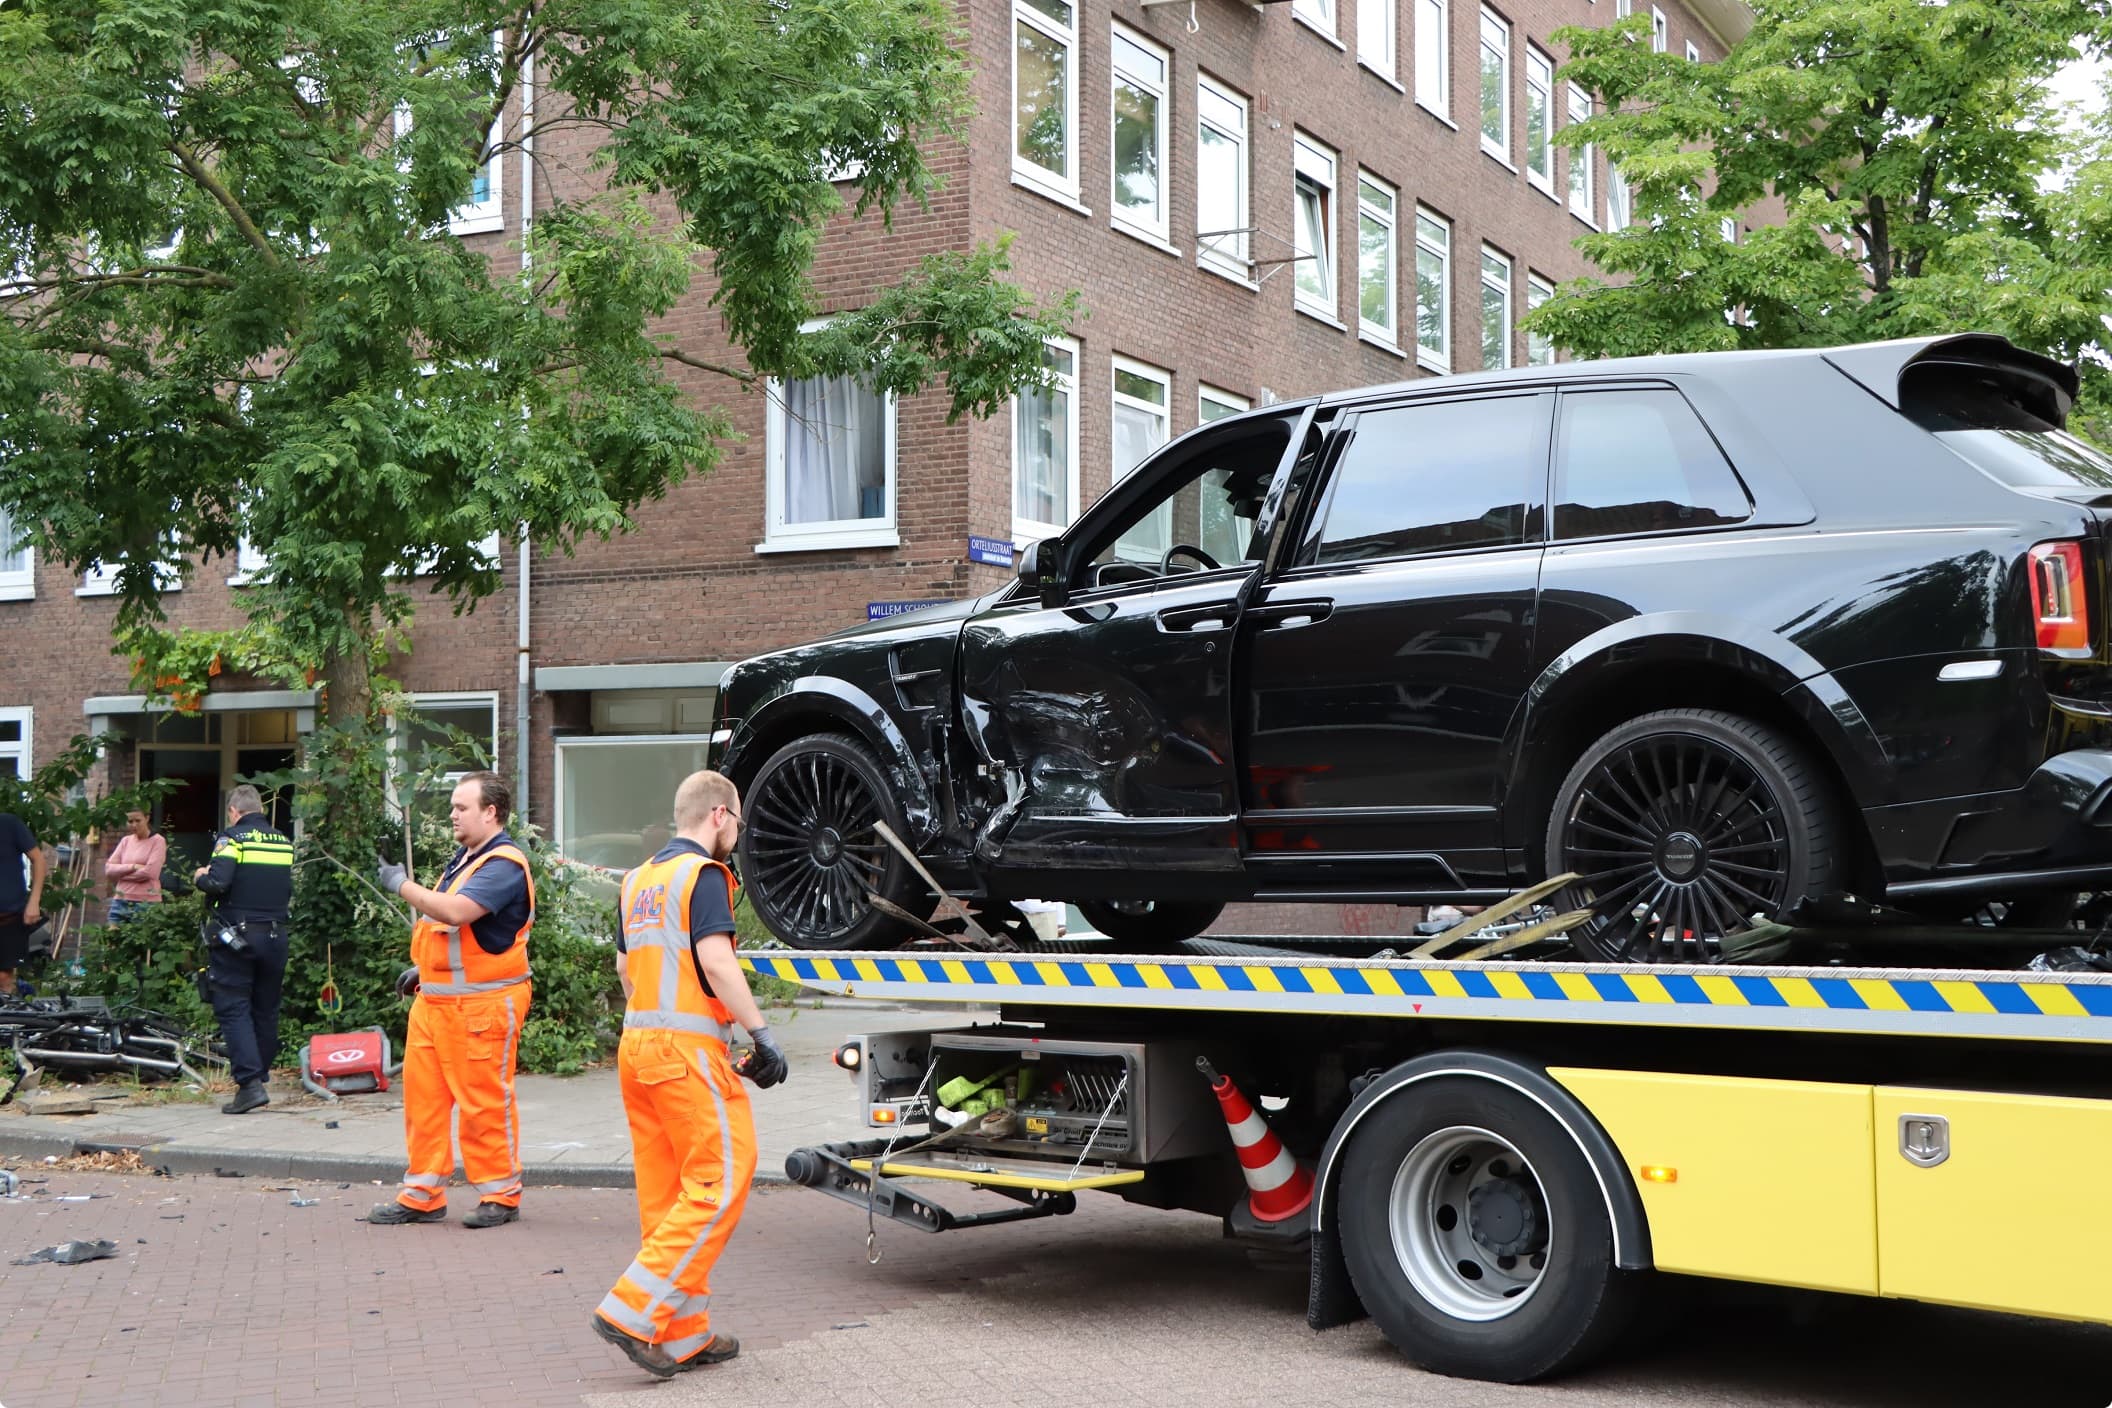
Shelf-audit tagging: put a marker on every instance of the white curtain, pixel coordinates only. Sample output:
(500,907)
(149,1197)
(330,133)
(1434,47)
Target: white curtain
(12,557)
(835,451)
(1044,490)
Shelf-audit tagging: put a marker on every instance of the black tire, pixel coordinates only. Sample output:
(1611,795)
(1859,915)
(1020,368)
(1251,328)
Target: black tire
(1684,824)
(810,855)
(1577,1302)
(1150,926)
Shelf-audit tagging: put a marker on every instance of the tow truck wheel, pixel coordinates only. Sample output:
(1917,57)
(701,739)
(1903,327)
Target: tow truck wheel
(810,855)
(1150,926)
(1477,1237)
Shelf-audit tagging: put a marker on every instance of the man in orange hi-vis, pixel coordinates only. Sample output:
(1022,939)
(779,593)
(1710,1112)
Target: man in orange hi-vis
(470,945)
(692,1137)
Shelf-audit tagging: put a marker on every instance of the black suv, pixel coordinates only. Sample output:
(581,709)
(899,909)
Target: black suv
(1724,634)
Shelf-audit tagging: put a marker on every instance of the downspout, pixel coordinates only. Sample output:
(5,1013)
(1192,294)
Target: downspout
(521,656)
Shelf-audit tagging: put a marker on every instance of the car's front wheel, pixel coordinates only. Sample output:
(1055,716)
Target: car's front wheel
(1150,926)
(810,855)
(1685,826)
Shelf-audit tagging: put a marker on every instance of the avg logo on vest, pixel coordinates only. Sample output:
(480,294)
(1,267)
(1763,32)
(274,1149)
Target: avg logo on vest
(648,908)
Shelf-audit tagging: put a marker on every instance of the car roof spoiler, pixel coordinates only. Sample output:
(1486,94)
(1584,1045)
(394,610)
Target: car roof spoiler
(2046,387)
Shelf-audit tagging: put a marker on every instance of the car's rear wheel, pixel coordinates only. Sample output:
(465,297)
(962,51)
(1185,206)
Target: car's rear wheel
(1684,826)
(810,855)
(1150,926)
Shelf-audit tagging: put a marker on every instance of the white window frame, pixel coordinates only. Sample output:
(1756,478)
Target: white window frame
(1539,348)
(24,750)
(1317,15)
(1620,200)
(1027,530)
(101,579)
(251,563)
(444,699)
(584,741)
(1660,31)
(1693,52)
(1025,170)
(20,583)
(1207,395)
(1160,376)
(1540,89)
(1496,40)
(1728,228)
(1622,9)
(780,536)
(1438,359)
(1583,199)
(1503,286)
(1321,167)
(1378,36)
(1436,44)
(1161,88)
(1226,254)
(1387,334)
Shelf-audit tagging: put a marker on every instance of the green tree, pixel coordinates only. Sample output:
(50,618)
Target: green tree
(232,308)
(1908,172)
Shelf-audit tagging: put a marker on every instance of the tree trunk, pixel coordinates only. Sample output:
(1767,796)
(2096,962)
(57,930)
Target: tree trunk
(348,683)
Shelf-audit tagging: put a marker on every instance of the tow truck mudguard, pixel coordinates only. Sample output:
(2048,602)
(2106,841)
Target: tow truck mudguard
(1332,1300)
(828,1168)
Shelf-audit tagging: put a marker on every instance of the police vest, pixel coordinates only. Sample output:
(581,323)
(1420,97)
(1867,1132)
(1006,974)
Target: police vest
(262,890)
(451,963)
(667,991)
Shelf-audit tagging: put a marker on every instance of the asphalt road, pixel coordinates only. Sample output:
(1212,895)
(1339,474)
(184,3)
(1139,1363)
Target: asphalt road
(225,1293)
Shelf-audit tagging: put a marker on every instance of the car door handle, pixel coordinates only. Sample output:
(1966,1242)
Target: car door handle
(1192,620)
(1290,615)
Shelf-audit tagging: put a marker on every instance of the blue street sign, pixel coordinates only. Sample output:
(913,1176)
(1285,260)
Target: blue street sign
(995,551)
(882,610)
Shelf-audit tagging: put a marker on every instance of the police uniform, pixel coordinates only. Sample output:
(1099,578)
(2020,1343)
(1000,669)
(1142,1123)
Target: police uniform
(250,880)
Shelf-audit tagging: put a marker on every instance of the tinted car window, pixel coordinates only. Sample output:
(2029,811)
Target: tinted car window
(1436,476)
(1639,461)
(1990,425)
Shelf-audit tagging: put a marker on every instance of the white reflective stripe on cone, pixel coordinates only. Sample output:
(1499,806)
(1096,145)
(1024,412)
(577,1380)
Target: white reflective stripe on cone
(1273,1174)
(1250,1131)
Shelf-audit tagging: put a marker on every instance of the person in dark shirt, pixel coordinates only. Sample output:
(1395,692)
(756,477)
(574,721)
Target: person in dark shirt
(250,880)
(21,901)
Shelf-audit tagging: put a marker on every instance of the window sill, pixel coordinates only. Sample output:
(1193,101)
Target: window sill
(245,579)
(476,224)
(1024,531)
(1546,188)
(1048,193)
(1372,339)
(1585,220)
(1498,157)
(831,542)
(1145,237)
(1225,272)
(18,591)
(1432,364)
(1328,35)
(110,589)
(1319,317)
(1436,114)
(1383,76)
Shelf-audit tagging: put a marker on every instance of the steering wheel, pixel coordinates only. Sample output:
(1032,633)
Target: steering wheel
(1166,562)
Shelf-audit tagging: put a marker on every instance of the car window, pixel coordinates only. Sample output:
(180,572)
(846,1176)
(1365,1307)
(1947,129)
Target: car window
(1998,430)
(1436,476)
(1639,461)
(1207,497)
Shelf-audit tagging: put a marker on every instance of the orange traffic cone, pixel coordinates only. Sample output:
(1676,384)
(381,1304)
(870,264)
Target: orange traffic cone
(1278,1186)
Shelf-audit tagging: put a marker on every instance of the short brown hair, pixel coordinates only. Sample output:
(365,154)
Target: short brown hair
(492,791)
(699,793)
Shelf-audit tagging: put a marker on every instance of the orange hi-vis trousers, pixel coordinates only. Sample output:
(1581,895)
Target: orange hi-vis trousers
(458,1059)
(693,1151)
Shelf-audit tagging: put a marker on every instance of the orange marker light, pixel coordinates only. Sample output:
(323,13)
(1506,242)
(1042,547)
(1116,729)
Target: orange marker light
(883,1116)
(1660,1173)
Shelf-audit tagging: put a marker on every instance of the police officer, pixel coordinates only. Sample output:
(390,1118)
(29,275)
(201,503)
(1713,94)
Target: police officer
(250,881)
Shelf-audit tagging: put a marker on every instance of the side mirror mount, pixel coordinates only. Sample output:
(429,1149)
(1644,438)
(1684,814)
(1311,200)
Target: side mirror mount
(1041,568)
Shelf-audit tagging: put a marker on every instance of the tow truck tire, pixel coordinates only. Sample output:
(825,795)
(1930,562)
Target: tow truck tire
(1150,926)
(1449,1194)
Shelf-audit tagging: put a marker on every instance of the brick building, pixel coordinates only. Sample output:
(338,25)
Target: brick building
(1258,201)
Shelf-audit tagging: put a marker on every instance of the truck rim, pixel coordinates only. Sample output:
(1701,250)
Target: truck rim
(811,844)
(1678,840)
(1470,1223)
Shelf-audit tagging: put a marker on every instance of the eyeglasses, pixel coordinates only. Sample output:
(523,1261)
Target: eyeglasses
(738,823)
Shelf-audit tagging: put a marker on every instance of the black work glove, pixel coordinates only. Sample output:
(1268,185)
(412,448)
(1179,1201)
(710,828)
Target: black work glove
(407,982)
(764,1062)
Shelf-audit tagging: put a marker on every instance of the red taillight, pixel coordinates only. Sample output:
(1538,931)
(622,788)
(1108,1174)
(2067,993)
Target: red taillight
(2058,605)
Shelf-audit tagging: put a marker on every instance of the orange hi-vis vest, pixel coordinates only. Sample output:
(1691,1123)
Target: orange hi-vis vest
(667,992)
(451,963)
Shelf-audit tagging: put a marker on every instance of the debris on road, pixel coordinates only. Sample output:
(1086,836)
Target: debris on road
(69,1254)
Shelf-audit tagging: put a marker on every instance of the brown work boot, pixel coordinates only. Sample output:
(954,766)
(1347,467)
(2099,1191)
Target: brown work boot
(649,1357)
(490,1214)
(722,1348)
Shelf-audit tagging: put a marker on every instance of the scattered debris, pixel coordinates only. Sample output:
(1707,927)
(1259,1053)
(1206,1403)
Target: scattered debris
(329,1124)
(82,1034)
(2072,959)
(219,1172)
(58,1102)
(301,1202)
(852,1325)
(8,1183)
(70,1253)
(555,1271)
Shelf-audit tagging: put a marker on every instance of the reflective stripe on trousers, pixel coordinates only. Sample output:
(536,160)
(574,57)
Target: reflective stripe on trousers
(458,1069)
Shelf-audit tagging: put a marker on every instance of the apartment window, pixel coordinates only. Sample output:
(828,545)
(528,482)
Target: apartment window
(16,759)
(613,804)
(1581,203)
(1693,52)
(1539,348)
(455,734)
(1433,287)
(1143,422)
(1495,308)
(1660,31)
(485,209)
(18,563)
(1045,94)
(830,448)
(250,563)
(1045,449)
(1622,9)
(1728,228)
(1495,85)
(1376,257)
(1320,14)
(1313,225)
(1221,178)
(1433,55)
(1140,107)
(1619,207)
(100,579)
(1540,120)
(1375,41)
(1212,404)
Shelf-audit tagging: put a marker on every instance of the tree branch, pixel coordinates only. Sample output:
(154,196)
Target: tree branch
(676,354)
(210,183)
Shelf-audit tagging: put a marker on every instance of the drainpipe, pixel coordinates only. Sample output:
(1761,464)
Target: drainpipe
(521,673)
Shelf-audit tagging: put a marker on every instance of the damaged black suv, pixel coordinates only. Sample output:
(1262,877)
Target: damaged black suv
(1723,634)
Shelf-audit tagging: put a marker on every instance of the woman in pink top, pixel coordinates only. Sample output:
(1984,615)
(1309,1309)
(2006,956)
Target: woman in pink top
(134,867)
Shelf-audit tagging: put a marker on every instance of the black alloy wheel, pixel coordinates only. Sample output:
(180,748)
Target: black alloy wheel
(810,855)
(1687,826)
